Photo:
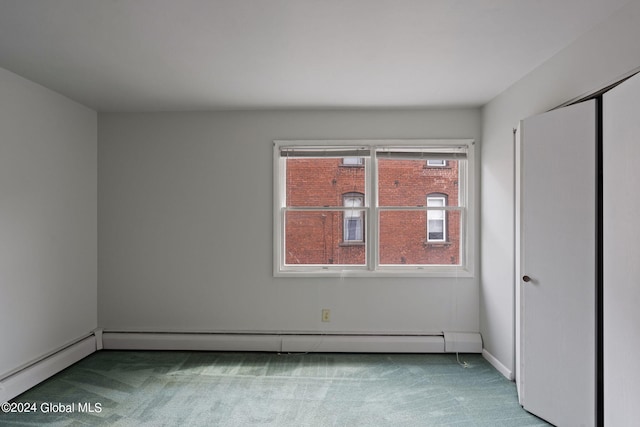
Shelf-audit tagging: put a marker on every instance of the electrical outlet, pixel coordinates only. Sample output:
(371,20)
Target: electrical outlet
(326,315)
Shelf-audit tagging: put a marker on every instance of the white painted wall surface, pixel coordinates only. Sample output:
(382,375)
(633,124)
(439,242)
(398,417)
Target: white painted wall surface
(186,217)
(621,252)
(604,54)
(48,225)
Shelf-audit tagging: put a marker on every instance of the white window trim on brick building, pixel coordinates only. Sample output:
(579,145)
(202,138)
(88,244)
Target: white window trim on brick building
(370,150)
(435,217)
(352,161)
(353,218)
(440,163)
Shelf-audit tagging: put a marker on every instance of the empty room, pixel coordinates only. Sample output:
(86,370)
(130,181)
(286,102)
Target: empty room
(319,213)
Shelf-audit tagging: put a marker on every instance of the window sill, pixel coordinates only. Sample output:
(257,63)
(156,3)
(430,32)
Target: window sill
(347,244)
(427,243)
(436,167)
(395,271)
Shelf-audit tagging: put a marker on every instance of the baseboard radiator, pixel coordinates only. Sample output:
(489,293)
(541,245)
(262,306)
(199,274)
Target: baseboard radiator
(39,370)
(295,343)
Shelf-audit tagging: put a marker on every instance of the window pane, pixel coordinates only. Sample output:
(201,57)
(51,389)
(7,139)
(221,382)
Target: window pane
(436,201)
(353,229)
(321,182)
(435,230)
(408,182)
(353,201)
(316,237)
(353,161)
(403,238)
(437,163)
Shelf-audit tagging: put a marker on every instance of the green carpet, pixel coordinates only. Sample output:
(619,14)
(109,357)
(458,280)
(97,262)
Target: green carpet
(172,388)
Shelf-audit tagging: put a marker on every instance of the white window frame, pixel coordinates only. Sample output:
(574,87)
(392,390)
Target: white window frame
(465,206)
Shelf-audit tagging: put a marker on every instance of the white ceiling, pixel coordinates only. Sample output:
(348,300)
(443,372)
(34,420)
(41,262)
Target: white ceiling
(162,55)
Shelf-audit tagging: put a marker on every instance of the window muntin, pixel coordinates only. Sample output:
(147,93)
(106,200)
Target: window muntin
(395,208)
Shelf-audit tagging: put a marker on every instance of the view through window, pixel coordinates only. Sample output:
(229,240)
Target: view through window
(370,207)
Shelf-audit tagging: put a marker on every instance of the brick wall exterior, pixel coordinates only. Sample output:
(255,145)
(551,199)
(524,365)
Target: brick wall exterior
(317,237)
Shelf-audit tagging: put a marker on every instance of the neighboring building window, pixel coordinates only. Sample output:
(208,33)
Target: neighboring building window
(437,163)
(353,229)
(436,219)
(371,220)
(353,161)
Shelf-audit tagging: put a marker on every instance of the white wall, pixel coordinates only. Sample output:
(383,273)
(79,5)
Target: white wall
(185,230)
(48,225)
(599,57)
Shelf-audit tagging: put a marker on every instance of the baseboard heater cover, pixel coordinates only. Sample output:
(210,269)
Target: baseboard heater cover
(190,341)
(34,374)
(362,344)
(293,343)
(463,342)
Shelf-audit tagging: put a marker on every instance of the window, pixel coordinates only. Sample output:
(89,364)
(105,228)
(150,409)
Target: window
(436,219)
(353,228)
(438,163)
(353,161)
(371,220)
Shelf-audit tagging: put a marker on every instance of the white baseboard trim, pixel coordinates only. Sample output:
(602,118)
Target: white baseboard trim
(23,380)
(498,365)
(289,343)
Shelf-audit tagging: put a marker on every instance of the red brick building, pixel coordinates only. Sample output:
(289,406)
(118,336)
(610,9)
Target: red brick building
(328,236)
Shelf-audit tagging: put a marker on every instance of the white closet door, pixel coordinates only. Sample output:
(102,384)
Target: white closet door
(558,231)
(621,225)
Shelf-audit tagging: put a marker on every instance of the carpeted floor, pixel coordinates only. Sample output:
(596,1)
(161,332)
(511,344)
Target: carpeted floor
(162,388)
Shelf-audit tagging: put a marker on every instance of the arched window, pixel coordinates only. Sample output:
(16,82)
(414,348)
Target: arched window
(353,224)
(436,219)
